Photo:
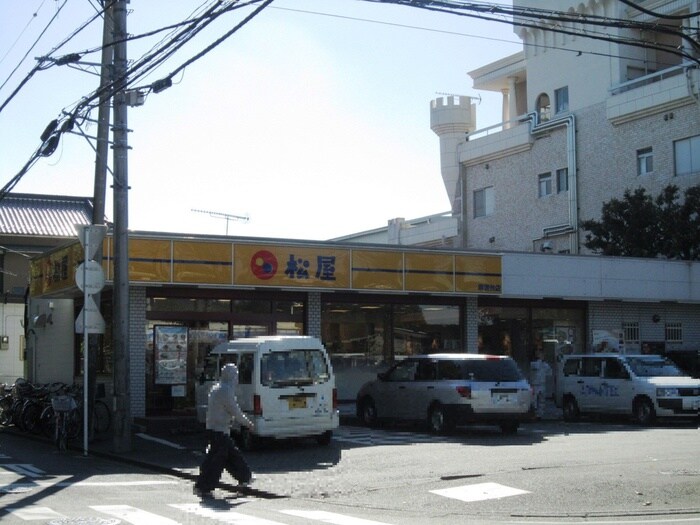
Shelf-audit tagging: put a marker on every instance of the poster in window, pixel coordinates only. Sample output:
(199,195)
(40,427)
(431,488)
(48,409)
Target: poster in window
(170,355)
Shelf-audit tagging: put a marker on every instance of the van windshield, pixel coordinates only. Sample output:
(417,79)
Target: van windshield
(653,367)
(294,368)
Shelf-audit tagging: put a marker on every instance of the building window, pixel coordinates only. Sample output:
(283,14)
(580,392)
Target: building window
(631,331)
(483,202)
(645,161)
(543,107)
(561,99)
(687,155)
(562,180)
(674,332)
(544,182)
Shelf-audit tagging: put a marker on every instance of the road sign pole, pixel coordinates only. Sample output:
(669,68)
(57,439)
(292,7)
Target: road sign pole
(86,404)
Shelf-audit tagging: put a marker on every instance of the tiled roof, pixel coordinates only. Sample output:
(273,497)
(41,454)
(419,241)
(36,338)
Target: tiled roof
(43,215)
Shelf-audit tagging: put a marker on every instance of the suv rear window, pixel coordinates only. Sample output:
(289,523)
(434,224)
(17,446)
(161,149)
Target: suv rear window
(480,370)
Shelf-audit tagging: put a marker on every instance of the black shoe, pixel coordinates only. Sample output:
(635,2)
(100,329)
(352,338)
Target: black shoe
(204,494)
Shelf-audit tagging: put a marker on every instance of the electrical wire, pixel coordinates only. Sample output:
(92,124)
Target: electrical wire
(659,15)
(35,69)
(33,17)
(188,29)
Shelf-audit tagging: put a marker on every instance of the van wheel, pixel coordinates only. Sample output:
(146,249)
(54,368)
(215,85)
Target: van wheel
(644,412)
(324,439)
(368,412)
(247,440)
(570,409)
(509,427)
(438,420)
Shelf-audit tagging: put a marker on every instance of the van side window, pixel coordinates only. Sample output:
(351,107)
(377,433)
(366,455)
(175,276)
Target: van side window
(246,366)
(591,367)
(427,371)
(614,369)
(449,370)
(571,367)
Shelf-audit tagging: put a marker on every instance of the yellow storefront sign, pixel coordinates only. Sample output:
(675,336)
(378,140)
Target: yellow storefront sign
(297,266)
(200,262)
(377,270)
(181,261)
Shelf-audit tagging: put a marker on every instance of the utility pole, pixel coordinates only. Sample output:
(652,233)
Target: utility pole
(99,196)
(122,368)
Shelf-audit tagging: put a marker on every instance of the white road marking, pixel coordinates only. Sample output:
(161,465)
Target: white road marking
(331,517)
(479,492)
(227,516)
(134,515)
(161,441)
(35,513)
(25,469)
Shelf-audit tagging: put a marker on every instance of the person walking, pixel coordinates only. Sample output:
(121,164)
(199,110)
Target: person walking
(222,453)
(539,372)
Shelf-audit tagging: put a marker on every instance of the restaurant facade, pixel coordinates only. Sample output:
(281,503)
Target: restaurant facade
(369,304)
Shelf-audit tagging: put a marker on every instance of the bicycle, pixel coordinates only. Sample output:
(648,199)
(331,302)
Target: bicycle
(67,423)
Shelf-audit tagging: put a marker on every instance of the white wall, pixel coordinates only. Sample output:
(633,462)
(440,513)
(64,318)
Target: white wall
(11,363)
(597,278)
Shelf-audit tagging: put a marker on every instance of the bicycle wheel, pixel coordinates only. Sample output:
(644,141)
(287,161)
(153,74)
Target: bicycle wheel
(74,423)
(101,417)
(47,421)
(30,417)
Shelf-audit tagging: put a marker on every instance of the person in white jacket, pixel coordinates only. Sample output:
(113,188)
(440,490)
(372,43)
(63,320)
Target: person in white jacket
(539,372)
(222,410)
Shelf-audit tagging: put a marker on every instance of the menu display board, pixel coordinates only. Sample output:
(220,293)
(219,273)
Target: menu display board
(170,355)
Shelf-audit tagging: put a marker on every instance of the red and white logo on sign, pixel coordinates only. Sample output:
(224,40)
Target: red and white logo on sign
(263,264)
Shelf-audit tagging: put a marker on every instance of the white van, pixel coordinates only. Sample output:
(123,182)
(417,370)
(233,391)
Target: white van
(641,386)
(285,385)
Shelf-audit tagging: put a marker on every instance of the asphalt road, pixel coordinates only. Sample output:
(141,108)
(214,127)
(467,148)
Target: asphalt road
(550,472)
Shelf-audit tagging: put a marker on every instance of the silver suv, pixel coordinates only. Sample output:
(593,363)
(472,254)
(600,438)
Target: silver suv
(446,390)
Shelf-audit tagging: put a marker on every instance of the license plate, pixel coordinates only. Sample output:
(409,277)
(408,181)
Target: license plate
(502,399)
(296,402)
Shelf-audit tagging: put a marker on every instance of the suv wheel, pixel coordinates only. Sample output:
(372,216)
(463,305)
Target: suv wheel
(509,427)
(570,409)
(644,411)
(368,412)
(438,420)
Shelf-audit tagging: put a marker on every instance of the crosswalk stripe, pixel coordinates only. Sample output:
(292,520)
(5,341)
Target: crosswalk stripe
(228,516)
(35,513)
(331,517)
(134,515)
(479,492)
(24,469)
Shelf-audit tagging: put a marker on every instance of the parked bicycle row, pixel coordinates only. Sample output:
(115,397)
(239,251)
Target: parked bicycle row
(34,408)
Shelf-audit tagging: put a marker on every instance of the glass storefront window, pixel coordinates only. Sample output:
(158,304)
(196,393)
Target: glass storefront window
(365,338)
(426,329)
(184,304)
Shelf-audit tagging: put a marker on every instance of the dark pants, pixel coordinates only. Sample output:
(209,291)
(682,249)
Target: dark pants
(222,454)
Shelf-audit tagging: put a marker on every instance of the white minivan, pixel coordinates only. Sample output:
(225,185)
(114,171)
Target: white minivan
(641,386)
(285,385)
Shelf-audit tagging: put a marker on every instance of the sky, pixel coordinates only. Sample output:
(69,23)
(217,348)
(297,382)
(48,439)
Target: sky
(313,120)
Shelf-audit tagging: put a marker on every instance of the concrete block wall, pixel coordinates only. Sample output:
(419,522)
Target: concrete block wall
(313,314)
(137,350)
(609,315)
(471,325)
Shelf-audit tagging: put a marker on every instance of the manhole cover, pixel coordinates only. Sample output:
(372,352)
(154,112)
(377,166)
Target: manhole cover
(85,521)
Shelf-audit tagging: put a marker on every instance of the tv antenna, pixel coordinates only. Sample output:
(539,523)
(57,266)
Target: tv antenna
(227,216)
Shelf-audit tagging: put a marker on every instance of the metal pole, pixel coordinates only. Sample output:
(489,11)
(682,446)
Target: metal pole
(122,415)
(98,205)
(86,359)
